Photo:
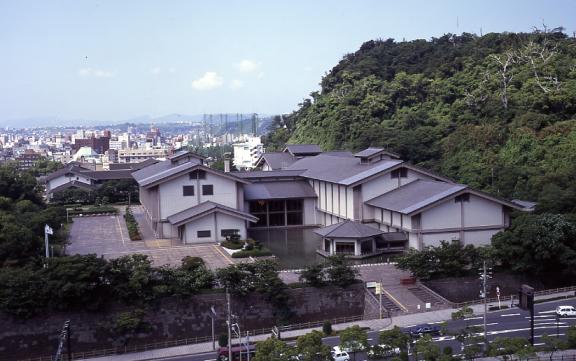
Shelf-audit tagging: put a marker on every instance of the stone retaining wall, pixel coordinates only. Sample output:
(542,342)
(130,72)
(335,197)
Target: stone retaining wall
(171,319)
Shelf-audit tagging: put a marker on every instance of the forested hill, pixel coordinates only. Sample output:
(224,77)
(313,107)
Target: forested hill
(496,112)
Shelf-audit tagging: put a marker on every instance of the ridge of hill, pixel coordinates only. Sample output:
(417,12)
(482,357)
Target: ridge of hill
(496,112)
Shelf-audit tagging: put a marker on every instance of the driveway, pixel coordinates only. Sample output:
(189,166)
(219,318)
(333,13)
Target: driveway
(107,236)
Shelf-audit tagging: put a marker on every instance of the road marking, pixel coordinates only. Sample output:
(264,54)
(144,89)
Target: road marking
(510,314)
(120,229)
(550,323)
(537,316)
(551,311)
(434,323)
(525,329)
(488,324)
(395,300)
(226,257)
(473,318)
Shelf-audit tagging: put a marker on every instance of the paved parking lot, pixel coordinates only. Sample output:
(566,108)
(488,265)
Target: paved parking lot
(108,236)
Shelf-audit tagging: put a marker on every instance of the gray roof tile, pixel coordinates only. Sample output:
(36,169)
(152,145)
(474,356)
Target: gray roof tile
(299,149)
(204,209)
(278,160)
(279,190)
(415,195)
(348,229)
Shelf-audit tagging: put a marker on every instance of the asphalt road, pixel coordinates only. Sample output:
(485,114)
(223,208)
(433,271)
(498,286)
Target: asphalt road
(509,323)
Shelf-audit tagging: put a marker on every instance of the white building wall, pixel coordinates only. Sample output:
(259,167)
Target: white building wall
(482,212)
(310,211)
(444,215)
(479,238)
(202,224)
(172,200)
(434,239)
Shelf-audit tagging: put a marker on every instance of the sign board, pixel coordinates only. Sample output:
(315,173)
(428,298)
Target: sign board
(428,305)
(378,289)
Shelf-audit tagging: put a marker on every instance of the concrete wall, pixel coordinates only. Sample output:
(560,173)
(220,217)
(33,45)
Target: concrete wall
(214,223)
(172,201)
(171,319)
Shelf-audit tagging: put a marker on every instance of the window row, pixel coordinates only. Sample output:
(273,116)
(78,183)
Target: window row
(207,190)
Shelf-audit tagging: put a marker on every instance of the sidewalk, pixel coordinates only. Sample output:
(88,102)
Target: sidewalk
(373,325)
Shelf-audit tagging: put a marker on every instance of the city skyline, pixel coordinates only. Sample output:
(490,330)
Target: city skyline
(105,61)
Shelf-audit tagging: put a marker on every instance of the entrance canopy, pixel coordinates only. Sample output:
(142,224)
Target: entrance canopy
(348,229)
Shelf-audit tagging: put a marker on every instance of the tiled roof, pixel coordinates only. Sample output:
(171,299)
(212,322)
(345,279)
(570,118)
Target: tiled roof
(73,184)
(299,149)
(348,229)
(278,160)
(370,152)
(278,190)
(267,174)
(206,208)
(340,169)
(415,195)
(162,170)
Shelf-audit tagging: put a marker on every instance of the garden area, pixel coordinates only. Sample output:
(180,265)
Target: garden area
(245,248)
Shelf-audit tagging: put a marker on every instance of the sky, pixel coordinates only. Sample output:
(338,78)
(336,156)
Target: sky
(114,60)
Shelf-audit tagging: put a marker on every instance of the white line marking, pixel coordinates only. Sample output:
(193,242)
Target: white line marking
(510,314)
(488,324)
(473,318)
(549,323)
(120,229)
(551,311)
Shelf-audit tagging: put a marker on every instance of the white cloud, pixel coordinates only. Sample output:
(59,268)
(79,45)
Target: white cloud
(210,80)
(95,73)
(156,70)
(236,84)
(248,66)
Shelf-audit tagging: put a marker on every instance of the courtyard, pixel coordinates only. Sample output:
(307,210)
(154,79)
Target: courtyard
(107,236)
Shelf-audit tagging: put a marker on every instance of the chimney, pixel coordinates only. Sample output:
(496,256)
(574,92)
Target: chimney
(227,162)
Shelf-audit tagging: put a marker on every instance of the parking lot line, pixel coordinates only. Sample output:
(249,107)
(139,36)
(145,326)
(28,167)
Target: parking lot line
(120,229)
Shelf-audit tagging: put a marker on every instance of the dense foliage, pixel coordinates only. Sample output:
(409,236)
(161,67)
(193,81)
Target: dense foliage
(88,282)
(495,112)
(23,216)
(132,225)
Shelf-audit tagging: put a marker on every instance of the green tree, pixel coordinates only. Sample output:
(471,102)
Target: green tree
(132,278)
(311,348)
(338,272)
(394,338)
(571,337)
(273,349)
(354,338)
(426,349)
(313,275)
(538,244)
(553,344)
(507,348)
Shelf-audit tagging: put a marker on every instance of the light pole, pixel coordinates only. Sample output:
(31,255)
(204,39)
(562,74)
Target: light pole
(229,325)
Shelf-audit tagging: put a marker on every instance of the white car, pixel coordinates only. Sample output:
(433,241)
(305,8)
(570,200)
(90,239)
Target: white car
(565,311)
(339,355)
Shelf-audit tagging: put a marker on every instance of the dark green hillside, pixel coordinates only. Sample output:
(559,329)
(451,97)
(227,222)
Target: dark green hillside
(496,112)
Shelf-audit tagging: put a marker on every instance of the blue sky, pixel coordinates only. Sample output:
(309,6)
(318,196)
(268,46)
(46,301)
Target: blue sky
(113,60)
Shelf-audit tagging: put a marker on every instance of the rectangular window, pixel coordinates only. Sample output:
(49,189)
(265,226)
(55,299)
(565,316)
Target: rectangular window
(203,234)
(229,232)
(399,173)
(207,189)
(187,191)
(276,219)
(294,205)
(198,174)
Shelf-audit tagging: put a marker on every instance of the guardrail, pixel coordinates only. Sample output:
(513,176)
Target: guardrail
(510,298)
(191,341)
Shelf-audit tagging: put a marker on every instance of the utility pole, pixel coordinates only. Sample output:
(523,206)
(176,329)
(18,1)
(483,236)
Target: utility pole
(484,278)
(229,323)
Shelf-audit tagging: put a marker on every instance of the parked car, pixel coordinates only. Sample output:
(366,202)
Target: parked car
(565,311)
(339,355)
(421,330)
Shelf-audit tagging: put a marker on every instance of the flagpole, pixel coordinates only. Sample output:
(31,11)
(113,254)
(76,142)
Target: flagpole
(46,243)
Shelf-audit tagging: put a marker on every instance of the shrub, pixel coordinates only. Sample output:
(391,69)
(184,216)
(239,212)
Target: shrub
(132,225)
(231,245)
(252,253)
(223,340)
(327,328)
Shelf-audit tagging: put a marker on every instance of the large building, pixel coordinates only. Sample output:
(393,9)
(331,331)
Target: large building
(363,203)
(247,153)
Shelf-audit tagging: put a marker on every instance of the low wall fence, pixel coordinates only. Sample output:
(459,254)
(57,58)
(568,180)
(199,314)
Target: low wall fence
(190,341)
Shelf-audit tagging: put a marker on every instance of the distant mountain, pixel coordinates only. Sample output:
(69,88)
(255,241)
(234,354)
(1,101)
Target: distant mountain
(48,121)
